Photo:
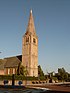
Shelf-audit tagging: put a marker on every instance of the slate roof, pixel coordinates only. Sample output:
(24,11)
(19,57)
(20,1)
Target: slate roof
(10,62)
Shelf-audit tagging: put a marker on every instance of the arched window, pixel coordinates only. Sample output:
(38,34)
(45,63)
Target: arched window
(34,41)
(27,39)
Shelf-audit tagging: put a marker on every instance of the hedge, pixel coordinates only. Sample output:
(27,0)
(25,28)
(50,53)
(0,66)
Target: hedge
(17,77)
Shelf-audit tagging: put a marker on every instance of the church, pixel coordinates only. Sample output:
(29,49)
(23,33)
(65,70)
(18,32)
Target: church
(29,57)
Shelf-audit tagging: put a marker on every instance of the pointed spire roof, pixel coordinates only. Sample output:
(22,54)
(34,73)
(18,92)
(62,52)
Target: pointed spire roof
(31,27)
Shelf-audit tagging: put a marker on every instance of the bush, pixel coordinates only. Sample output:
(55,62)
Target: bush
(5,82)
(5,77)
(17,77)
(33,82)
(20,82)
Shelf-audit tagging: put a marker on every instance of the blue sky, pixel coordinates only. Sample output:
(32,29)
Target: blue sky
(52,23)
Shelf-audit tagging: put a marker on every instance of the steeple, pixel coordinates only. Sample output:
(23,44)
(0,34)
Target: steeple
(31,27)
(30,48)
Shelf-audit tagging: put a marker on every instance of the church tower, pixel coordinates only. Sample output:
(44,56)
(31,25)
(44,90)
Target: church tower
(30,48)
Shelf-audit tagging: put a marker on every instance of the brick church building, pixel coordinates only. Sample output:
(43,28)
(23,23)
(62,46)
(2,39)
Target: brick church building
(29,57)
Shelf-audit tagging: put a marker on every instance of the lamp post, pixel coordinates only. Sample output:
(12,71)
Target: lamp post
(13,80)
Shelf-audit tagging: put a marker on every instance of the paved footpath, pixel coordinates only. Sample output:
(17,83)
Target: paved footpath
(42,88)
(53,87)
(30,91)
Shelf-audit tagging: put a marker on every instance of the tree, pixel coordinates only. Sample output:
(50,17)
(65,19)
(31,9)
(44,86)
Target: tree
(40,73)
(23,71)
(62,74)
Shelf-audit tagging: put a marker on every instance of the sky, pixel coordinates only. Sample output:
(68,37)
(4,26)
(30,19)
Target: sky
(52,23)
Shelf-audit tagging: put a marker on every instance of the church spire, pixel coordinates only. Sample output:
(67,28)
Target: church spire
(31,27)
(30,48)
(31,11)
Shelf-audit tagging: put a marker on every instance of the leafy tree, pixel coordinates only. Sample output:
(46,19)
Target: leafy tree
(40,73)
(63,75)
(23,71)
(68,77)
(18,70)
